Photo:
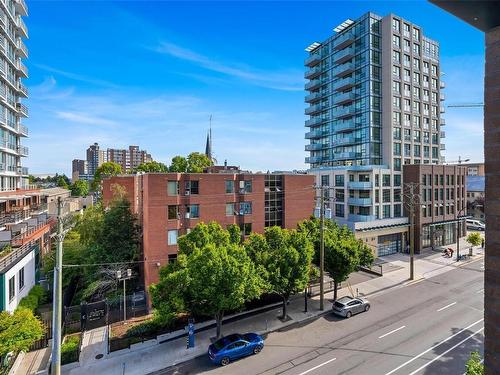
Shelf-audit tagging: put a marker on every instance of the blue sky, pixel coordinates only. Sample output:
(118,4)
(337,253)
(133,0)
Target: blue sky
(151,72)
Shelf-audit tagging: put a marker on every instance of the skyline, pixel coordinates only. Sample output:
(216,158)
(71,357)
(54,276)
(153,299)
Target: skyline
(169,82)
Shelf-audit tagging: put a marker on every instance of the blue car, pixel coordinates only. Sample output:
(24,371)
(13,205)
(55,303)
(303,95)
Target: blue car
(234,346)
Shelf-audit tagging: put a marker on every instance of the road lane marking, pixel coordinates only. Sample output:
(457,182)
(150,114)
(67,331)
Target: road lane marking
(446,352)
(394,330)
(318,366)
(432,347)
(480,291)
(445,307)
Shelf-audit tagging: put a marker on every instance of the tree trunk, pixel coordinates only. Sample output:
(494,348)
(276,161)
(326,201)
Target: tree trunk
(284,307)
(335,288)
(218,321)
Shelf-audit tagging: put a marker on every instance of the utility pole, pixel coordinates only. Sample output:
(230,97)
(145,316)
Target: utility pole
(57,303)
(412,198)
(322,249)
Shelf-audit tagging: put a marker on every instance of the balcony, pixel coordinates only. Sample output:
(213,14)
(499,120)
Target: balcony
(22,27)
(343,84)
(22,171)
(358,185)
(344,40)
(313,72)
(344,98)
(345,126)
(362,218)
(22,109)
(315,96)
(23,130)
(442,85)
(315,134)
(2,68)
(315,121)
(442,134)
(442,146)
(21,48)
(3,19)
(315,146)
(23,70)
(8,146)
(21,7)
(313,159)
(347,140)
(442,97)
(315,109)
(360,201)
(344,155)
(442,121)
(441,109)
(22,150)
(343,55)
(341,112)
(312,60)
(23,90)
(313,84)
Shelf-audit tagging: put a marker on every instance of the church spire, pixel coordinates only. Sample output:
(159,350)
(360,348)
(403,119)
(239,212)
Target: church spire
(208,147)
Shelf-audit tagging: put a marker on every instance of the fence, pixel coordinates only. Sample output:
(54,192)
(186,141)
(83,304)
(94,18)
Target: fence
(46,318)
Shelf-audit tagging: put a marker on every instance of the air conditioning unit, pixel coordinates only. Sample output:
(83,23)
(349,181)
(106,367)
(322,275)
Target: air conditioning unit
(187,215)
(187,192)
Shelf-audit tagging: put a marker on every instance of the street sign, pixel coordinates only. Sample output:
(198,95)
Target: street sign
(190,337)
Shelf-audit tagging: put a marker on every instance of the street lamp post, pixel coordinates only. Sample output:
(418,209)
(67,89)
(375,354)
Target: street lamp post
(124,278)
(458,233)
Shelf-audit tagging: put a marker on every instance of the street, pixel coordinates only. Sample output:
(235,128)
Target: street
(427,327)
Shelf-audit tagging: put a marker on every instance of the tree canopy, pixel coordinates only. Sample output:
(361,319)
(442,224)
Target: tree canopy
(153,167)
(179,164)
(18,331)
(107,169)
(197,162)
(79,188)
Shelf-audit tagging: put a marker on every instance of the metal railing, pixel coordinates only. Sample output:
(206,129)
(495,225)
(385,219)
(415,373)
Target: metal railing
(14,256)
(22,26)
(26,237)
(22,109)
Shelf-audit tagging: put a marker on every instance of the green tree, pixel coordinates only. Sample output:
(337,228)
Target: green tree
(89,225)
(152,167)
(474,365)
(179,164)
(474,239)
(62,182)
(197,162)
(80,188)
(18,331)
(204,234)
(285,258)
(107,169)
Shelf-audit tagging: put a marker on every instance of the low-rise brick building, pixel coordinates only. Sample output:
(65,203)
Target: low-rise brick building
(168,205)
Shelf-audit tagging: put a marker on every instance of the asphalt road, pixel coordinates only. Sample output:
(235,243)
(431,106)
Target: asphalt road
(429,327)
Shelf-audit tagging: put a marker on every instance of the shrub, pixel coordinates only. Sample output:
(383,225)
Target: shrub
(69,349)
(36,297)
(149,328)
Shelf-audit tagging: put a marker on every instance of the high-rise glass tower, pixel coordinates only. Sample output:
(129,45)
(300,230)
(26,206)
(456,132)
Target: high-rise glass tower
(12,111)
(374,95)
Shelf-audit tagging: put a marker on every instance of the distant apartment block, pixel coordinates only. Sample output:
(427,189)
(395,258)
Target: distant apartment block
(130,158)
(95,158)
(170,204)
(78,168)
(474,169)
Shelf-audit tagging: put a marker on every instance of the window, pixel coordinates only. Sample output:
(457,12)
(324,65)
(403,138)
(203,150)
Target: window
(416,94)
(172,258)
(339,180)
(396,101)
(434,70)
(325,180)
(193,211)
(406,30)
(397,180)
(173,212)
(416,64)
(172,237)
(416,78)
(396,87)
(406,60)
(386,195)
(396,56)
(12,288)
(339,210)
(416,49)
(407,89)
(416,136)
(407,120)
(351,178)
(426,152)
(245,208)
(229,209)
(377,196)
(339,195)
(246,186)
(386,210)
(397,149)
(396,25)
(377,177)
(407,105)
(396,40)
(192,187)
(407,75)
(441,179)
(416,121)
(396,71)
(407,150)
(416,151)
(397,164)
(397,210)
(406,46)
(426,67)
(246,229)
(396,118)
(397,195)
(396,133)
(416,34)
(386,180)
(173,188)
(21,278)
(229,186)
(408,135)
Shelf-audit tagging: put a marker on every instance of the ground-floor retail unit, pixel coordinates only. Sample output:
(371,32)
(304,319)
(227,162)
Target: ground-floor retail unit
(440,234)
(386,238)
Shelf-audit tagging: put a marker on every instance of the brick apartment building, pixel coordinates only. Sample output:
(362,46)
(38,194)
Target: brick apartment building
(443,193)
(169,204)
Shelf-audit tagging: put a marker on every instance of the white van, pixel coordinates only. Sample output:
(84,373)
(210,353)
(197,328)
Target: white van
(475,225)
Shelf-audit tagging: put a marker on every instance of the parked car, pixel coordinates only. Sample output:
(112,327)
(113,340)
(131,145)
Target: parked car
(234,346)
(349,306)
(475,225)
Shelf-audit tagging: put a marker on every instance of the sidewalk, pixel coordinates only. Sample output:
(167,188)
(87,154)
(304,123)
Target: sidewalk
(152,357)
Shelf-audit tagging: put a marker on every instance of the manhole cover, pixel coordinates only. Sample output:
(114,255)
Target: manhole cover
(99,356)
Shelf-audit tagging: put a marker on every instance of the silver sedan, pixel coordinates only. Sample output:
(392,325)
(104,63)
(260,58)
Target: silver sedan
(349,306)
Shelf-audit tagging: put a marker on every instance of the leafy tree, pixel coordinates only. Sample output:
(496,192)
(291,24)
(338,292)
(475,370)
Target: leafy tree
(89,225)
(152,166)
(80,188)
(179,164)
(474,365)
(285,256)
(197,162)
(18,331)
(107,169)
(474,239)
(205,234)
(62,182)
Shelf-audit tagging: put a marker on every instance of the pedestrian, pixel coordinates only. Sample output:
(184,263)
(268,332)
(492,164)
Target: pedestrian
(451,253)
(482,243)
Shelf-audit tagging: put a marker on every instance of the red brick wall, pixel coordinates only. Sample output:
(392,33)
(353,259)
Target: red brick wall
(299,199)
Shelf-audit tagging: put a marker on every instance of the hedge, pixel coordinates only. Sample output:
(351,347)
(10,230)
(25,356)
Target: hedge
(37,296)
(69,349)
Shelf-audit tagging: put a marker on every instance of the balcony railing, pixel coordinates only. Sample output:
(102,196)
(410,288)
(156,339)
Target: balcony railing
(22,109)
(313,59)
(345,126)
(360,201)
(313,72)
(22,68)
(442,121)
(343,69)
(343,84)
(344,98)
(23,130)
(350,139)
(21,47)
(442,134)
(3,18)
(442,96)
(344,111)
(23,150)
(362,218)
(315,134)
(315,121)
(442,85)
(315,96)
(313,84)
(313,159)
(315,109)
(343,55)
(315,146)
(442,146)
(359,185)
(343,40)
(345,155)
(22,89)
(8,145)
(22,26)
(14,256)
(21,7)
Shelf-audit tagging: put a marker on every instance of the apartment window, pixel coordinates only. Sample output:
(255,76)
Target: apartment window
(397,210)
(386,210)
(406,45)
(351,178)
(397,195)
(424,180)
(339,195)
(416,94)
(434,70)
(435,140)
(426,109)
(339,180)
(397,149)
(416,49)
(396,102)
(436,194)
(406,29)
(396,56)
(426,123)
(441,179)
(407,105)
(246,186)
(325,180)
(172,258)
(426,151)
(339,210)
(407,75)
(416,34)
(406,60)
(246,229)
(434,83)
(407,120)
(230,209)
(416,78)
(396,118)
(396,40)
(426,67)
(416,120)
(416,151)
(12,288)
(245,208)
(397,164)
(416,64)
(424,211)
(407,90)
(386,180)
(192,187)
(407,149)
(377,196)
(396,133)
(396,25)
(425,80)
(396,87)
(21,278)
(416,136)
(377,178)
(173,188)
(193,211)
(434,97)
(229,186)
(386,195)
(396,71)
(397,180)
(173,212)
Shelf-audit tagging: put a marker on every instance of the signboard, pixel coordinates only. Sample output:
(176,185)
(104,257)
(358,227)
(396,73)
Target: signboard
(190,338)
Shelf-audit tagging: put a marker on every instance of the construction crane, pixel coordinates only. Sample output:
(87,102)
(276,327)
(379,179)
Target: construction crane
(465,105)
(459,161)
